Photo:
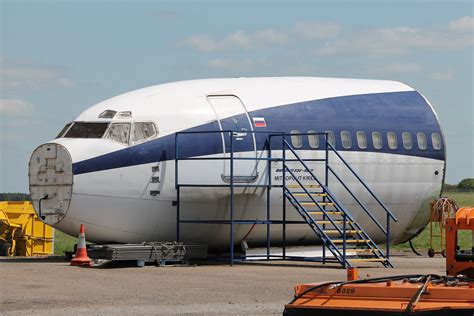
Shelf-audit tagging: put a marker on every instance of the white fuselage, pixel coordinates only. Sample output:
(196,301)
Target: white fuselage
(125,192)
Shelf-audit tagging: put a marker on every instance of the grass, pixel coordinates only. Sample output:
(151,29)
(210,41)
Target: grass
(422,241)
(64,242)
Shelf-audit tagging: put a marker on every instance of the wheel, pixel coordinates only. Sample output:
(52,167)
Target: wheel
(431,252)
(4,247)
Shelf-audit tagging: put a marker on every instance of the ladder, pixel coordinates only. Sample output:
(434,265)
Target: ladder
(339,232)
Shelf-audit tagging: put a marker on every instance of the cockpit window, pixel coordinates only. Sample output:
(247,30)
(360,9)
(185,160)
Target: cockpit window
(119,132)
(64,130)
(107,114)
(143,130)
(86,130)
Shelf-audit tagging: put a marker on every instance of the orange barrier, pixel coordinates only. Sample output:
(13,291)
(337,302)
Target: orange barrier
(81,258)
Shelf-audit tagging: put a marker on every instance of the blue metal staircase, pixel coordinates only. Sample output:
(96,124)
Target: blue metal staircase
(339,232)
(320,209)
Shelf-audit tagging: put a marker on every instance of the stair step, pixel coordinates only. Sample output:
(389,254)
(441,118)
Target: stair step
(320,203)
(327,212)
(334,231)
(293,186)
(312,194)
(335,222)
(303,192)
(351,241)
(357,250)
(368,260)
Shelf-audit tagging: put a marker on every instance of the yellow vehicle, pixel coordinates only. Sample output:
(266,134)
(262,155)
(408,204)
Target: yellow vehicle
(22,233)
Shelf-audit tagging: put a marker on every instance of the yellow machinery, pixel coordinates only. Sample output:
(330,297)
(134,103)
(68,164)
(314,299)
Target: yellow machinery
(22,233)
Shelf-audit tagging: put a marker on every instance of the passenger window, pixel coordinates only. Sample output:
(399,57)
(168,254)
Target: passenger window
(407,141)
(313,139)
(362,140)
(392,140)
(296,138)
(377,140)
(143,130)
(331,138)
(436,140)
(421,138)
(346,139)
(119,132)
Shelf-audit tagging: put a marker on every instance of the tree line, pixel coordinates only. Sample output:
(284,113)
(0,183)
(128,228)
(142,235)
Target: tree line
(464,185)
(17,196)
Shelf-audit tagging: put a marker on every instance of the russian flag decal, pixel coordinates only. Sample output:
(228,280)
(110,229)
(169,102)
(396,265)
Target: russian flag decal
(259,122)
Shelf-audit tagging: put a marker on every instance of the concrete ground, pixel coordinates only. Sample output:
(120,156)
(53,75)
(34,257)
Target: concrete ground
(45,287)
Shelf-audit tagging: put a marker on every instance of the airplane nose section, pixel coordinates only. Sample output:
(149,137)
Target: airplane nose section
(50,181)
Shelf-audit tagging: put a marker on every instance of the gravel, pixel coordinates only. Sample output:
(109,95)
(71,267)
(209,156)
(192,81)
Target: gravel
(49,287)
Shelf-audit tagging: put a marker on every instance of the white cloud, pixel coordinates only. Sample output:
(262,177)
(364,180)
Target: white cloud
(271,36)
(401,40)
(464,24)
(237,66)
(25,74)
(327,38)
(15,107)
(398,68)
(315,30)
(262,38)
(443,75)
(236,40)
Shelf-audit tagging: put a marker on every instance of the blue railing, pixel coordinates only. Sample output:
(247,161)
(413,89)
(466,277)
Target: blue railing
(388,213)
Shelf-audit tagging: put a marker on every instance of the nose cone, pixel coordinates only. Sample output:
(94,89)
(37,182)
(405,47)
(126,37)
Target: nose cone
(51,179)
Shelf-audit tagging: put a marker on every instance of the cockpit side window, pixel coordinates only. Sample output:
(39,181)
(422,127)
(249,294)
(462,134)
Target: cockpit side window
(108,114)
(86,130)
(64,130)
(143,130)
(119,132)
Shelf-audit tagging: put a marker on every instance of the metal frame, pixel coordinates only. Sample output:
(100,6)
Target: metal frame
(342,258)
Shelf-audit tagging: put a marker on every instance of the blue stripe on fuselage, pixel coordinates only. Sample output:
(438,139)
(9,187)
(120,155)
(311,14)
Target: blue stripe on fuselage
(382,112)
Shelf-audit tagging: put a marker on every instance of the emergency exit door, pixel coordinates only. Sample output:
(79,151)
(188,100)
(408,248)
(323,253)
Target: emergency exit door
(232,116)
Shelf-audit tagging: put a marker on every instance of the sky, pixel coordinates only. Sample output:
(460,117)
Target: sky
(58,58)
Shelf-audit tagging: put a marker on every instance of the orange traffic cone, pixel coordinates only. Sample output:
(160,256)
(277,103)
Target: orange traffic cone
(81,259)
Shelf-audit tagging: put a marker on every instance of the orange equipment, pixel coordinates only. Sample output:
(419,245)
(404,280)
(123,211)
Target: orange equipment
(396,295)
(81,258)
(400,295)
(460,261)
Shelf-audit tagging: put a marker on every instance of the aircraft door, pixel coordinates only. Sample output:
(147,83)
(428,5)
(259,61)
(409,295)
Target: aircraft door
(232,115)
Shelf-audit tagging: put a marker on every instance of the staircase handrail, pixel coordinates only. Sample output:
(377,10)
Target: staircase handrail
(326,189)
(389,213)
(359,202)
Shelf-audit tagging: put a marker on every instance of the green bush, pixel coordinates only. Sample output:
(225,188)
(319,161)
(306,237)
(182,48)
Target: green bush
(466,184)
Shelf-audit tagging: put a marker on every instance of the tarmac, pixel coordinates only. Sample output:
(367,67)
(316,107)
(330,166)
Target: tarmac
(52,287)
